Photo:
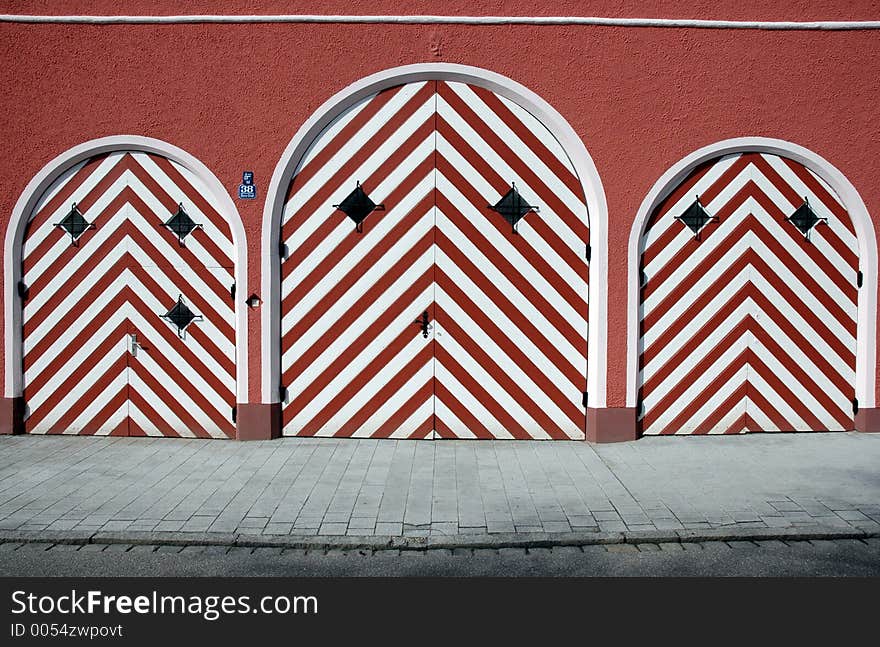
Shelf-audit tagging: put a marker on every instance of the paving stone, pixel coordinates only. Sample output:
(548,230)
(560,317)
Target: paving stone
(35,547)
(170,526)
(771,543)
(852,515)
(333,529)
(641,527)
(9,546)
(697,525)
(198,523)
(143,548)
(530,528)
(776,522)
(92,548)
(64,548)
(691,545)
(612,526)
(170,548)
(394,529)
(118,548)
(648,548)
(621,548)
(672,547)
(278,529)
(667,524)
(741,545)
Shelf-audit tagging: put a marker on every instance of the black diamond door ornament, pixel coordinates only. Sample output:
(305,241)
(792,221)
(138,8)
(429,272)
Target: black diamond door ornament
(695,217)
(180,316)
(512,206)
(180,224)
(357,206)
(804,218)
(74,224)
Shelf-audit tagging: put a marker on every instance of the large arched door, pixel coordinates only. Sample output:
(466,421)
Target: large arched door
(434,274)
(748,303)
(128,319)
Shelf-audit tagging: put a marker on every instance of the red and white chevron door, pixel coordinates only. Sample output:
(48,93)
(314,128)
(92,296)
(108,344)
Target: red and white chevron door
(128,319)
(457,308)
(749,299)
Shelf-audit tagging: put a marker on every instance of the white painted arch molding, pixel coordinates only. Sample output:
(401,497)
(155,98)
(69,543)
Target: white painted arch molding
(44,179)
(572,144)
(866,333)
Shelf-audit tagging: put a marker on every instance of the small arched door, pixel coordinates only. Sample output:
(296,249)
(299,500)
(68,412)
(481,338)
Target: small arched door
(748,303)
(128,322)
(434,273)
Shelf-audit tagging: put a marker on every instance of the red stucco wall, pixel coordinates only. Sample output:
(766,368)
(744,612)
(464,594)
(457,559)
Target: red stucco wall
(641,99)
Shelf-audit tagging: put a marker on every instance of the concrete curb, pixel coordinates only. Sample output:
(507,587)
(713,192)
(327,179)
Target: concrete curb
(500,540)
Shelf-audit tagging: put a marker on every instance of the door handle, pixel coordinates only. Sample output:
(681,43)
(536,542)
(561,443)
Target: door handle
(133,338)
(424,324)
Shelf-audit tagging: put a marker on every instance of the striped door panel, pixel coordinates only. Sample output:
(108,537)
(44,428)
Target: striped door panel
(505,356)
(99,358)
(751,325)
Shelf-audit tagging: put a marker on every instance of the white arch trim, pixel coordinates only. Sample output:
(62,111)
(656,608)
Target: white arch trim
(44,179)
(586,170)
(866,331)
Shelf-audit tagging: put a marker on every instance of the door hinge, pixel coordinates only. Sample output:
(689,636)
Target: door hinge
(234,413)
(282,393)
(859,278)
(589,252)
(855,406)
(282,250)
(232,292)
(22,290)
(585,400)
(642,278)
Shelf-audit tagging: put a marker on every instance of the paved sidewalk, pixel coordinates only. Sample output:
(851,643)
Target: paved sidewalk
(307,487)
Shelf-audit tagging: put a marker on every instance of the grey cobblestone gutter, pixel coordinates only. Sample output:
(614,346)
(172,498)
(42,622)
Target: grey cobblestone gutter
(311,493)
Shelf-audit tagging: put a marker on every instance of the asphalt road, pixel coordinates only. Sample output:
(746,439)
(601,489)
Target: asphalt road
(765,558)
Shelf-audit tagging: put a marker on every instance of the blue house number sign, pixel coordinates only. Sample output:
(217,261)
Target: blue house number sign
(247,190)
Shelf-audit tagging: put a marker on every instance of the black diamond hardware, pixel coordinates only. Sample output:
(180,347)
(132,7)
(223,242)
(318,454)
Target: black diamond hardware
(513,207)
(74,224)
(804,218)
(180,316)
(357,206)
(180,224)
(695,217)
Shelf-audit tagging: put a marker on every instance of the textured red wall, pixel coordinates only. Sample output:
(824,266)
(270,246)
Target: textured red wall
(641,99)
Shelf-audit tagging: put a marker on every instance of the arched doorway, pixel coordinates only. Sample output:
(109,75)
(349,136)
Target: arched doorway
(128,315)
(749,298)
(435,255)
